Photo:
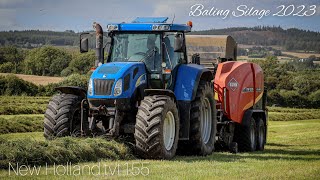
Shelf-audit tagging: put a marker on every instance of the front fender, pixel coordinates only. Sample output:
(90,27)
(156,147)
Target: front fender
(73,90)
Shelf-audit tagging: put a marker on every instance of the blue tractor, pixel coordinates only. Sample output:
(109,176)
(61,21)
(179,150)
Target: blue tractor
(147,89)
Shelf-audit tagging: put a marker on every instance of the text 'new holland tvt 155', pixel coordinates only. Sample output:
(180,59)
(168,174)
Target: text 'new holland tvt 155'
(150,89)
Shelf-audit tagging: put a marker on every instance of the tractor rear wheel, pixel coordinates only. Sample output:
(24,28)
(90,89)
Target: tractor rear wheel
(157,128)
(62,117)
(260,135)
(203,122)
(246,136)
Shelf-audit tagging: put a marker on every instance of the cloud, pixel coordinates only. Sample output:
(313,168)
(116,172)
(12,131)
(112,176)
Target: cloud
(78,15)
(7,19)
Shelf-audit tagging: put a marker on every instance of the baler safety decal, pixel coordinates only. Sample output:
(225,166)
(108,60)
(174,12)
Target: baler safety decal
(233,84)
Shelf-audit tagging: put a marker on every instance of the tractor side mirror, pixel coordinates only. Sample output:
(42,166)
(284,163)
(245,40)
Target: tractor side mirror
(178,43)
(84,45)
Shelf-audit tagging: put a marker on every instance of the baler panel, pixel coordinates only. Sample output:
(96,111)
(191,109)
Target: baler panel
(243,84)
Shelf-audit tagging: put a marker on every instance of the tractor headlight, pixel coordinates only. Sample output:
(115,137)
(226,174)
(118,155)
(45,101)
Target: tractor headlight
(90,87)
(118,88)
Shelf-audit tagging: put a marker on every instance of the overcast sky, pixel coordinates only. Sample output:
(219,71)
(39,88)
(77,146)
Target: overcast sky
(78,15)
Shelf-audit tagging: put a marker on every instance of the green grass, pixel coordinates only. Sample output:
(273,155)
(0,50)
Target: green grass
(27,135)
(292,152)
(37,151)
(12,105)
(21,123)
(291,114)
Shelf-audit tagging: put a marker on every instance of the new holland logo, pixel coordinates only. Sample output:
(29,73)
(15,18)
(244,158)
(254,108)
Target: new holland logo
(104,76)
(233,84)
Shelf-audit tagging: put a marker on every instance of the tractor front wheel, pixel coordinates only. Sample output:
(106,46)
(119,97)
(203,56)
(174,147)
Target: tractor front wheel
(62,117)
(157,128)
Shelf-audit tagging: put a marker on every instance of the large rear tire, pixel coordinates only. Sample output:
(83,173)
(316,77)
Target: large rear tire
(203,123)
(62,117)
(246,136)
(157,128)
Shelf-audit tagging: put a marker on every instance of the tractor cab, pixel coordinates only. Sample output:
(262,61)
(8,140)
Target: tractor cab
(143,54)
(160,46)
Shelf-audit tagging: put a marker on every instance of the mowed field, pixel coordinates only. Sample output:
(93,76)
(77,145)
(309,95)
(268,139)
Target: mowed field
(38,80)
(292,151)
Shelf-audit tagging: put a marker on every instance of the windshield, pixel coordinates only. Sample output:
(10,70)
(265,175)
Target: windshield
(136,47)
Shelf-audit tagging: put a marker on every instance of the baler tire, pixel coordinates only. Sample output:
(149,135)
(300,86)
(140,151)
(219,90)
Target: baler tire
(196,142)
(149,127)
(245,138)
(260,135)
(61,114)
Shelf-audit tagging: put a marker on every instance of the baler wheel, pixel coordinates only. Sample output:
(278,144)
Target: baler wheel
(157,128)
(203,122)
(261,129)
(62,116)
(246,136)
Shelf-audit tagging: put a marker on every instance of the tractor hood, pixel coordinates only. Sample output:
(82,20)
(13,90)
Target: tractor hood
(113,70)
(125,75)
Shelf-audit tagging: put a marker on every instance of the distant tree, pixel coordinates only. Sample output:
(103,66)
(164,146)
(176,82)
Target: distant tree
(11,55)
(46,61)
(80,63)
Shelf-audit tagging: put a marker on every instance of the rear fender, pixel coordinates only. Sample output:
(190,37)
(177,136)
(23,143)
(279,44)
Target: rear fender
(187,81)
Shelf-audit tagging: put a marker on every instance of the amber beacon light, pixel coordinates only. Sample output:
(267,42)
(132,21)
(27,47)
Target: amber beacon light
(189,23)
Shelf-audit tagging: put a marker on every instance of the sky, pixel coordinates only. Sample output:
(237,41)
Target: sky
(78,15)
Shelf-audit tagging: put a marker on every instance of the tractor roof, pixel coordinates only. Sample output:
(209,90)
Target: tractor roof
(149,24)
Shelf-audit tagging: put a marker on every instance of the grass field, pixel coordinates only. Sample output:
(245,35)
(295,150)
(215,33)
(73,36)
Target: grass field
(292,151)
(38,80)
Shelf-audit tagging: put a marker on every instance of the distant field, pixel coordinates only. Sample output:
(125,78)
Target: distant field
(282,59)
(38,80)
(300,54)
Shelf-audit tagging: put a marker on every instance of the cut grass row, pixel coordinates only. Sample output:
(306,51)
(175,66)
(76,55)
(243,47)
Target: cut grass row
(21,123)
(292,152)
(34,122)
(59,151)
(12,105)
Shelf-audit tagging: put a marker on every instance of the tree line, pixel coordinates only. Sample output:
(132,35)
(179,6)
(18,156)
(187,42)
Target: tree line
(291,39)
(292,84)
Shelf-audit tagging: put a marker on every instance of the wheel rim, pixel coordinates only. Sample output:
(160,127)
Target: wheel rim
(206,121)
(169,130)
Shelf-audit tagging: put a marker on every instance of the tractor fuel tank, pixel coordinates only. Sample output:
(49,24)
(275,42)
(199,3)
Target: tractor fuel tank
(238,87)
